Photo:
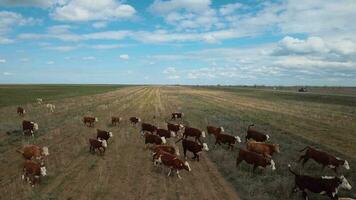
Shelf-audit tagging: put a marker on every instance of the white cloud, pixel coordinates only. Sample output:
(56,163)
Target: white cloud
(163,7)
(82,10)
(63,48)
(89,58)
(51,62)
(124,57)
(169,70)
(32,3)
(7,73)
(173,77)
(2,61)
(100,25)
(106,46)
(229,8)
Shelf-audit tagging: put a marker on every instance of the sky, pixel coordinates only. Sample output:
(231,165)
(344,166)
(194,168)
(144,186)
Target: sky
(291,42)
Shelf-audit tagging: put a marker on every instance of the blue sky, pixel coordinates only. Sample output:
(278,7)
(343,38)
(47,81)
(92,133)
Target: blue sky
(292,42)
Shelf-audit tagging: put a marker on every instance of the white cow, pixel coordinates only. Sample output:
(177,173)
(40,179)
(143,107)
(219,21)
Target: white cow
(50,107)
(39,100)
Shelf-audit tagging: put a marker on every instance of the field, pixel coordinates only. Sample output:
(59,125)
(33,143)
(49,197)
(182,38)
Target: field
(292,119)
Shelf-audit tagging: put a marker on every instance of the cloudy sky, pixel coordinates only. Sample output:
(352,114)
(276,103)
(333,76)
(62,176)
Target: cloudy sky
(292,42)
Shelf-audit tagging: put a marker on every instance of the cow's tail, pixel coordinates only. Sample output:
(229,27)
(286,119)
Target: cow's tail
(19,151)
(290,169)
(179,140)
(307,147)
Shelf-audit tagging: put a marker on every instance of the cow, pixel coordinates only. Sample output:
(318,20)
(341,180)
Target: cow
(154,139)
(227,139)
(101,145)
(177,115)
(325,185)
(172,162)
(167,148)
(39,100)
(176,128)
(262,148)
(103,135)
(32,171)
(50,107)
(35,152)
(115,120)
(193,132)
(323,158)
(90,120)
(21,111)
(256,135)
(214,130)
(193,147)
(254,159)
(146,127)
(29,127)
(134,120)
(165,133)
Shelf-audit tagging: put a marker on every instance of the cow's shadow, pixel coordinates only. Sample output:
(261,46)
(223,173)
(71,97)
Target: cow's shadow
(14,132)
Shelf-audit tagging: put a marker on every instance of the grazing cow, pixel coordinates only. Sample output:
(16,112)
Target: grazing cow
(165,133)
(193,147)
(214,130)
(323,158)
(167,148)
(193,132)
(115,120)
(21,111)
(154,139)
(255,135)
(90,120)
(103,135)
(177,115)
(176,128)
(50,107)
(254,159)
(262,148)
(101,145)
(135,120)
(39,100)
(31,151)
(29,127)
(227,139)
(148,127)
(172,162)
(325,185)
(32,171)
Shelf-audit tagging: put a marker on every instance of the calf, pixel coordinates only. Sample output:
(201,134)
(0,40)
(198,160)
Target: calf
(29,127)
(227,139)
(115,120)
(101,145)
(214,130)
(193,147)
(255,135)
(323,158)
(35,152)
(90,120)
(176,128)
(177,115)
(326,185)
(50,107)
(21,111)
(39,100)
(165,133)
(32,171)
(103,135)
(254,159)
(148,127)
(193,132)
(172,162)
(262,148)
(167,148)
(134,120)
(154,139)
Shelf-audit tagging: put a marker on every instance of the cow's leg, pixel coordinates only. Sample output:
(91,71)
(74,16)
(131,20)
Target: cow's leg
(238,161)
(169,173)
(335,170)
(305,196)
(178,174)
(304,161)
(301,158)
(197,156)
(294,189)
(254,168)
(185,152)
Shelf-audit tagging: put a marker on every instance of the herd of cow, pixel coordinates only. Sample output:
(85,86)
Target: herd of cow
(258,151)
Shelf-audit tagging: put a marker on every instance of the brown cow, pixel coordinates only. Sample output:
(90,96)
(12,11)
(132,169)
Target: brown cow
(254,159)
(323,158)
(134,120)
(146,127)
(101,145)
(193,147)
(325,185)
(103,135)
(167,148)
(115,120)
(154,139)
(227,139)
(172,162)
(90,120)
(35,152)
(262,148)
(176,128)
(214,130)
(255,135)
(177,115)
(165,133)
(29,127)
(193,132)
(21,111)
(32,171)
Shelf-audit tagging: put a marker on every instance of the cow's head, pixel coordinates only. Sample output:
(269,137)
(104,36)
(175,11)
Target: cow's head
(203,134)
(181,127)
(96,119)
(35,126)
(45,151)
(344,183)
(238,139)
(267,137)
(110,134)
(157,160)
(173,134)
(273,165)
(276,148)
(104,143)
(43,171)
(138,119)
(205,147)
(222,129)
(163,140)
(346,164)
(24,111)
(187,166)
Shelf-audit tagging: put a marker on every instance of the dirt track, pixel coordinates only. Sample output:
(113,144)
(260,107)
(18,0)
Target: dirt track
(125,172)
